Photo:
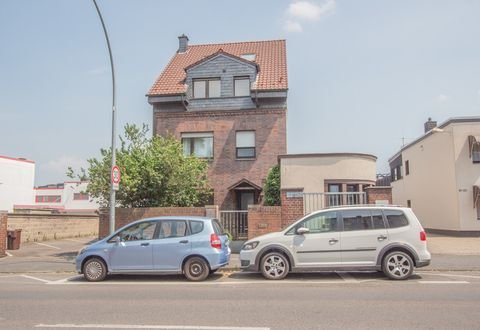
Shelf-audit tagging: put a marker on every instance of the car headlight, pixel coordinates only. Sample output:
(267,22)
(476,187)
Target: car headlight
(250,245)
(82,251)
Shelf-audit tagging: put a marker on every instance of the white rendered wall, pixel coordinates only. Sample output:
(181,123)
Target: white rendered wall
(16,183)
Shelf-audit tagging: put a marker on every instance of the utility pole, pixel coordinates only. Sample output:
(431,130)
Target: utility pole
(114,133)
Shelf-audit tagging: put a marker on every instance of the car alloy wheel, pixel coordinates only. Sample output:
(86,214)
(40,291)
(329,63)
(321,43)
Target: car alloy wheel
(196,269)
(274,266)
(397,265)
(94,270)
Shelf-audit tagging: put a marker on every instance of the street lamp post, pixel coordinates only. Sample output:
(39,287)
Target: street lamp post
(112,190)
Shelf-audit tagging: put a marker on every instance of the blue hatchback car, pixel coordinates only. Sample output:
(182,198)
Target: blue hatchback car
(194,246)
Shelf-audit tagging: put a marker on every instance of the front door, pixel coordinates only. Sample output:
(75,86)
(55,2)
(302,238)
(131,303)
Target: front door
(134,252)
(321,245)
(245,198)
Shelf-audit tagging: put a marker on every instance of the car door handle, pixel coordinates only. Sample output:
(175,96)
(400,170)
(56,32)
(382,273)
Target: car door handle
(333,241)
(382,238)
(184,242)
(145,244)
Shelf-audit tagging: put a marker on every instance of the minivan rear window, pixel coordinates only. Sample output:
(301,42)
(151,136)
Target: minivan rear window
(396,218)
(217,227)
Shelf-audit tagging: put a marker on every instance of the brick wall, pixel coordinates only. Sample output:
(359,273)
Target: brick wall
(263,220)
(292,206)
(124,216)
(3,233)
(379,193)
(225,170)
(43,227)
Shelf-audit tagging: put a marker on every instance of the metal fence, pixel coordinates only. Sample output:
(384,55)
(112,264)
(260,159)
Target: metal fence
(316,201)
(236,223)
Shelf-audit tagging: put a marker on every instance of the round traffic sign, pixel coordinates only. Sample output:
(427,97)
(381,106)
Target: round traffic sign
(115,174)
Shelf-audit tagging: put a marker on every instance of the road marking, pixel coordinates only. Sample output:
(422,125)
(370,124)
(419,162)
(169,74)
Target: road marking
(443,282)
(73,240)
(35,278)
(449,275)
(68,281)
(134,326)
(50,246)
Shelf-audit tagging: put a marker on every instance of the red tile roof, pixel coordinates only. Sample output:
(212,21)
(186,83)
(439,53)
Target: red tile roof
(270,56)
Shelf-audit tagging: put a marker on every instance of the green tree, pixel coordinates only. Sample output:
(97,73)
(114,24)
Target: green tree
(272,187)
(154,173)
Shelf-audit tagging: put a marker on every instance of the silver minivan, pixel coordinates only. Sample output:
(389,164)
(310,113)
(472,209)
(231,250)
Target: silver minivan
(388,239)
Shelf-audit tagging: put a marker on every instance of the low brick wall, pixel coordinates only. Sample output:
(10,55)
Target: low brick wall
(3,233)
(124,216)
(263,220)
(44,227)
(379,194)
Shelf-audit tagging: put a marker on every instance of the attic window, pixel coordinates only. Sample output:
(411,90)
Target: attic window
(249,56)
(242,86)
(206,88)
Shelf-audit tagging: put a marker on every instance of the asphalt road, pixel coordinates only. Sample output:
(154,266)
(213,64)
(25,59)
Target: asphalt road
(429,300)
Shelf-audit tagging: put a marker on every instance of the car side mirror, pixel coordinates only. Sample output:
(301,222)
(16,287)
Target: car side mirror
(117,240)
(302,230)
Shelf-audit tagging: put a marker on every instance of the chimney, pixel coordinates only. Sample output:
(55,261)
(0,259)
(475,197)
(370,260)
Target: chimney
(429,125)
(182,43)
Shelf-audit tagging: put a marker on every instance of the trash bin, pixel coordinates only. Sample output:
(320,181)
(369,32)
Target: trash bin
(13,239)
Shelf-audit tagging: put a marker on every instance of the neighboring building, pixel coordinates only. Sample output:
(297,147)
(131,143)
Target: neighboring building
(329,179)
(438,176)
(17,177)
(227,103)
(67,197)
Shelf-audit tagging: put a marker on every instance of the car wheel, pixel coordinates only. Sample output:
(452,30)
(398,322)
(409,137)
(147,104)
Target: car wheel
(94,270)
(397,265)
(274,266)
(196,269)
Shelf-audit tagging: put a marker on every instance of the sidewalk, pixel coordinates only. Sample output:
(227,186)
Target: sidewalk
(448,253)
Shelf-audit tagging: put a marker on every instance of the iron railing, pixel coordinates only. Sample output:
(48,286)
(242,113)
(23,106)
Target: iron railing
(236,223)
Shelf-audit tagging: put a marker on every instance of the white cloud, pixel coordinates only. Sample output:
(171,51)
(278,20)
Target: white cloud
(97,71)
(58,167)
(309,11)
(291,26)
(442,98)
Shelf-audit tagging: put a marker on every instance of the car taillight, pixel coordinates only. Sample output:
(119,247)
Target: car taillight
(423,236)
(215,241)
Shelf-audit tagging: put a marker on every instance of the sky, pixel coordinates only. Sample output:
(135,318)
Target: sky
(363,75)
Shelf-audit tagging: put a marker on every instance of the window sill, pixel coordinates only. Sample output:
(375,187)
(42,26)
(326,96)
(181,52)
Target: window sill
(241,159)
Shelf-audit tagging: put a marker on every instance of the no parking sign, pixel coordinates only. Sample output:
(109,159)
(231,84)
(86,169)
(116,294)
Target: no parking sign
(115,177)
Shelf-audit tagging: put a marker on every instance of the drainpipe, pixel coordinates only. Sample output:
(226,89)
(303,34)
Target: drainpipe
(184,102)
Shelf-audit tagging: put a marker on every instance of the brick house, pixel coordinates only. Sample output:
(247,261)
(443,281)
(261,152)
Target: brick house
(227,103)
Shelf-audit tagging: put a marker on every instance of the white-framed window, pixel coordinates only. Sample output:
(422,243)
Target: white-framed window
(48,199)
(206,88)
(242,86)
(81,196)
(198,144)
(245,144)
